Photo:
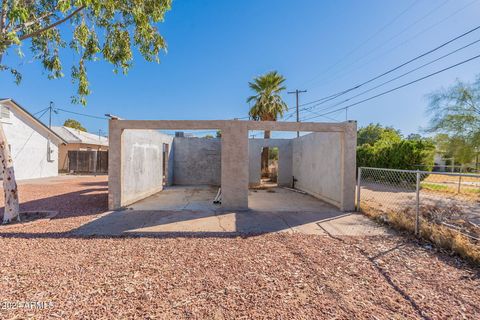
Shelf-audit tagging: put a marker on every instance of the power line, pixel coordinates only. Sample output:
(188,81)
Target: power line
(396,78)
(368,39)
(383,43)
(326,117)
(44,112)
(399,87)
(336,95)
(400,44)
(40,111)
(82,114)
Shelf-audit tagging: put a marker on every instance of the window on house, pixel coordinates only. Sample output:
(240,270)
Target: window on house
(4,112)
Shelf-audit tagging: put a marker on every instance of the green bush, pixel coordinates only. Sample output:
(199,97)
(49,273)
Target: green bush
(397,154)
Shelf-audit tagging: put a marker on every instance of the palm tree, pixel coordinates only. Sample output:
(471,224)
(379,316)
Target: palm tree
(268,104)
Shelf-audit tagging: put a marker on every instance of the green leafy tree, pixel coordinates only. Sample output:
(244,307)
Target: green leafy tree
(268,104)
(273,154)
(386,148)
(72,123)
(106,29)
(414,137)
(455,148)
(455,119)
(373,132)
(96,29)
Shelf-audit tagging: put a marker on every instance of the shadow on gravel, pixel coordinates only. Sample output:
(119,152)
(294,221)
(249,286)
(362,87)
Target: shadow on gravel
(189,224)
(73,204)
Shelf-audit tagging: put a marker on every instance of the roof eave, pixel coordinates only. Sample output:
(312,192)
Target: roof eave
(61,140)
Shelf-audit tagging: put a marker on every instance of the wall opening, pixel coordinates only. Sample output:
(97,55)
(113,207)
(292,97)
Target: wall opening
(165,155)
(269,172)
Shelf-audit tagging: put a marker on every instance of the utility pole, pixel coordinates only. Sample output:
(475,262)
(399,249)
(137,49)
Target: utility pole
(296,95)
(50,118)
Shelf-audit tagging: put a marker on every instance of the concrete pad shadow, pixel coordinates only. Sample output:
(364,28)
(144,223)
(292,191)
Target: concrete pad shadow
(189,211)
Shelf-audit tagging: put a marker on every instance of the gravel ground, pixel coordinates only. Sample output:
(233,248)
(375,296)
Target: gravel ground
(77,199)
(266,276)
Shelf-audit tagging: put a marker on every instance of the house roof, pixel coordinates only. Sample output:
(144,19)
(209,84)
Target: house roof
(72,135)
(33,119)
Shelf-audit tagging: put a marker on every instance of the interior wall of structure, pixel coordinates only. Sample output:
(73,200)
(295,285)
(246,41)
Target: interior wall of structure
(197,161)
(284,146)
(317,164)
(142,163)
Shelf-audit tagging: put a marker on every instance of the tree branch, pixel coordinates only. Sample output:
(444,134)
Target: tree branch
(473,106)
(53,25)
(3,15)
(28,24)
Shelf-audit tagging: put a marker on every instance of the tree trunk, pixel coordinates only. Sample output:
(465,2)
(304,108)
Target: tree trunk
(12,209)
(265,152)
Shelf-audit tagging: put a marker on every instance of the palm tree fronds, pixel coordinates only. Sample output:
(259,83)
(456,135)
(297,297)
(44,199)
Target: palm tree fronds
(268,104)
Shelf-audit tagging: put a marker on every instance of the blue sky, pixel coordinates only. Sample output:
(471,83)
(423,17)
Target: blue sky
(216,47)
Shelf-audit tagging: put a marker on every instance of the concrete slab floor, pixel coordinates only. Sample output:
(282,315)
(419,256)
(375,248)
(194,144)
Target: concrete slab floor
(180,198)
(189,210)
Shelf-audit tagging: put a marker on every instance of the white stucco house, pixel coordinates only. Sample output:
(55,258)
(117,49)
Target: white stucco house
(33,145)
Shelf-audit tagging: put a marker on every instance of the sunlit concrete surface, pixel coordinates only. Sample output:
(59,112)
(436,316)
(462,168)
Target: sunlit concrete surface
(190,211)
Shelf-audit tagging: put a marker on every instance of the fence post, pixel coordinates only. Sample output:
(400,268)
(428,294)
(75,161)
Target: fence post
(417,205)
(95,162)
(459,188)
(459,184)
(359,184)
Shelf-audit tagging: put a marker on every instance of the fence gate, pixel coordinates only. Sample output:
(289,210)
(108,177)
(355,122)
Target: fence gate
(91,161)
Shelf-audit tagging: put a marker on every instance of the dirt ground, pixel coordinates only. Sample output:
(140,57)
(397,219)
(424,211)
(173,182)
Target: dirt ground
(290,276)
(384,197)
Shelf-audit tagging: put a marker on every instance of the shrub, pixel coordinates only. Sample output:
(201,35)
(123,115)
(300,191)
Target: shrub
(402,154)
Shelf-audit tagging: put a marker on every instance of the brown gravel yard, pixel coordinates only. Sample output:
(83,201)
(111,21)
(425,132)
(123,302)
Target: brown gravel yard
(289,276)
(69,195)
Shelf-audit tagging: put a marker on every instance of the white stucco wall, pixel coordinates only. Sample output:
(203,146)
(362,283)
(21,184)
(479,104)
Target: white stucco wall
(142,160)
(317,165)
(29,144)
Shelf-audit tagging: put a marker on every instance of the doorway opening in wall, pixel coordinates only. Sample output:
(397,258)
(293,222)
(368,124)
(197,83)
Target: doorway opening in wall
(165,153)
(269,167)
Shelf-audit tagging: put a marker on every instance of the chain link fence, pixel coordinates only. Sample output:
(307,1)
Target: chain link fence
(420,200)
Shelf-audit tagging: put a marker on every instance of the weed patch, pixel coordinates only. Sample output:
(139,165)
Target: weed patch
(444,227)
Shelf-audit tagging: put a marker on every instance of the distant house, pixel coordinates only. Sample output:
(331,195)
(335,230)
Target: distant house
(82,151)
(34,147)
